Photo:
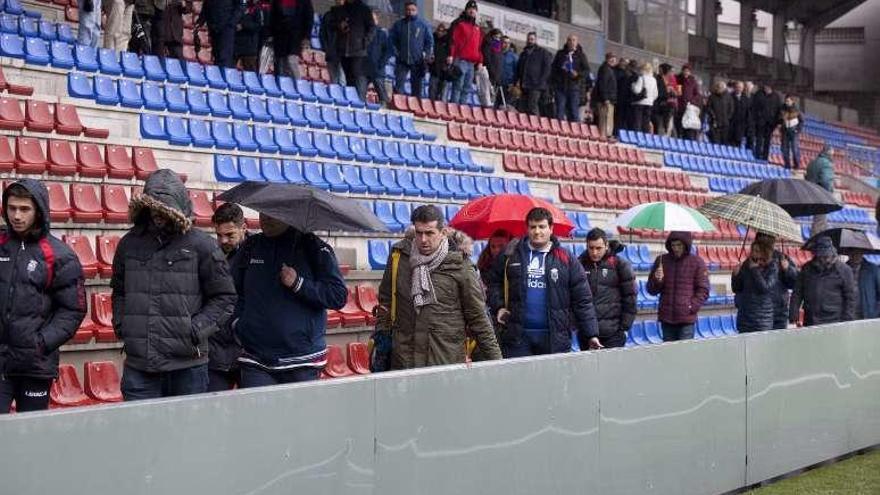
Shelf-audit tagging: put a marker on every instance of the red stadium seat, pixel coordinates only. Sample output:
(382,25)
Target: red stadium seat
(504,120)
(429,108)
(350,314)
(66,391)
(359,358)
(115,202)
(7,156)
(83,335)
(119,165)
(442,109)
(59,207)
(67,120)
(202,210)
(558,169)
(89,159)
(102,316)
(336,367)
(85,203)
(144,163)
(16,89)
(478,116)
(493,137)
(61,159)
(106,248)
(102,381)
(465,111)
(456,133)
(38,117)
(491,117)
(81,246)
(11,117)
(29,156)
(367,298)
(469,134)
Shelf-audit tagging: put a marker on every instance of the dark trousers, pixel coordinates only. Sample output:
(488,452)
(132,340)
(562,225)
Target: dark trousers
(672,333)
(218,380)
(791,149)
(641,117)
(718,135)
(533,101)
(763,136)
(222,46)
(140,385)
(780,323)
(437,88)
(30,394)
(257,377)
(354,74)
(567,104)
(416,73)
(528,344)
(615,340)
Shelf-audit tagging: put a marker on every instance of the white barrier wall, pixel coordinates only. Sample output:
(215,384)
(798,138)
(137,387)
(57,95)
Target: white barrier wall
(676,418)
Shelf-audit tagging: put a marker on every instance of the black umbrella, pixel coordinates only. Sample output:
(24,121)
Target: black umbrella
(844,239)
(796,196)
(304,208)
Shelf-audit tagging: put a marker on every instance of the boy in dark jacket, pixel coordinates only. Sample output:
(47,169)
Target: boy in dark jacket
(248,35)
(439,66)
(613,286)
(44,298)
(753,281)
(287,280)
(533,73)
(539,293)
(785,282)
(328,36)
(570,75)
(171,292)
(413,44)
(682,282)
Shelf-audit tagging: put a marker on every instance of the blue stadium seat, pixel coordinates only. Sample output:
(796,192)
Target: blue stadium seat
(423,153)
(8,24)
(638,333)
(222,133)
(36,51)
(239,107)
(252,83)
(175,99)
(226,170)
(452,210)
(11,45)
(469,187)
(402,213)
(438,184)
(277,111)
(337,93)
(358,148)
(293,171)
(62,55)
(439,156)
(524,188)
(80,86)
(249,168)
(284,140)
(653,333)
(396,127)
(257,107)
(65,34)
(385,213)
(453,184)
(195,73)
(728,325)
(219,105)
(346,120)
(28,27)
(410,128)
(483,186)
(312,113)
(340,146)
(303,140)
(214,76)
(178,130)
(331,118)
(323,145)
(405,150)
(106,91)
(200,133)
(271,170)
(716,325)
(469,161)
(154,71)
(354,99)
(46,30)
(374,148)
(701,328)
(108,59)
(296,113)
(364,122)
(319,89)
(351,175)
(154,98)
(378,251)
(423,183)
(392,151)
(152,126)
(270,85)
(380,124)
(130,94)
(197,101)
(453,157)
(265,139)
(132,66)
(231,76)
(288,88)
(583,220)
(370,178)
(314,174)
(405,179)
(304,88)
(12,7)
(388,178)
(496,184)
(244,136)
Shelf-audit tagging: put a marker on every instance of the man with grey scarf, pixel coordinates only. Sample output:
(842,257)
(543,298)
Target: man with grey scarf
(825,287)
(430,296)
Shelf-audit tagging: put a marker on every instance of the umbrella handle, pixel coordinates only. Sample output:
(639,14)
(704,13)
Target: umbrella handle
(742,248)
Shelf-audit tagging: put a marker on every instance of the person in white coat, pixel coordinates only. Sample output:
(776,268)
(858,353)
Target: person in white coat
(117,27)
(645,91)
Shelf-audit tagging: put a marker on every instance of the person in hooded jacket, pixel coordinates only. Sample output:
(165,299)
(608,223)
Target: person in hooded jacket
(867,278)
(223,18)
(248,35)
(613,286)
(787,277)
(719,110)
(465,43)
(820,171)
(171,292)
(291,22)
(681,280)
(44,298)
(570,76)
(493,56)
(533,73)
(753,281)
(825,288)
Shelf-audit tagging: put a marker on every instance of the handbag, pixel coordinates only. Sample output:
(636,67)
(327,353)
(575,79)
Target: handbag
(691,118)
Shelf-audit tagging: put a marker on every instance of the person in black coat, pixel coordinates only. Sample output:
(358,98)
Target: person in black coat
(661,114)
(570,76)
(439,67)
(626,73)
(826,288)
(222,18)
(719,109)
(613,286)
(753,281)
(291,27)
(741,121)
(44,299)
(788,274)
(378,53)
(354,31)
(605,94)
(765,108)
(328,36)
(248,35)
(533,73)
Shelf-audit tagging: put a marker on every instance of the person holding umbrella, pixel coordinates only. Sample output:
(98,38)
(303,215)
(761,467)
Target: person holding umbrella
(753,281)
(681,280)
(825,288)
(867,278)
(787,277)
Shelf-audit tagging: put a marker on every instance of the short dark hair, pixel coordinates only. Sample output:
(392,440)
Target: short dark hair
(532,33)
(228,212)
(595,234)
(18,191)
(428,214)
(501,233)
(408,3)
(538,213)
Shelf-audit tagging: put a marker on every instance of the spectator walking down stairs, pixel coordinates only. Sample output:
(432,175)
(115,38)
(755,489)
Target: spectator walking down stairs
(681,280)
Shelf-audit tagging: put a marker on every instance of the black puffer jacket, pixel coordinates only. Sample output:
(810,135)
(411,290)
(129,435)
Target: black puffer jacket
(784,283)
(606,84)
(354,29)
(171,286)
(828,296)
(43,300)
(613,286)
(754,297)
(560,76)
(533,68)
(569,301)
(224,347)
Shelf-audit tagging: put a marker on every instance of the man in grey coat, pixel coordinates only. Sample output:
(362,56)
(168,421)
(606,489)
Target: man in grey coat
(171,292)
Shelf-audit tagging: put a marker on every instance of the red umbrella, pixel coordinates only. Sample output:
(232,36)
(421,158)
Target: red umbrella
(481,217)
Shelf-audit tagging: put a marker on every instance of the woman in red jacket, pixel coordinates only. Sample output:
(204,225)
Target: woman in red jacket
(464,50)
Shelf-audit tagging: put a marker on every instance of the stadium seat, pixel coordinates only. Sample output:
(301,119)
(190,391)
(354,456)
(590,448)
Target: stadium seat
(352,176)
(364,122)
(82,247)
(265,139)
(202,210)
(319,89)
(102,381)
(385,213)
(652,332)
(292,172)
(61,160)
(244,137)
(114,200)
(252,83)
(238,105)
(11,45)
(36,51)
(177,130)
(378,252)
(11,116)
(388,178)
(108,60)
(66,390)
(351,314)
(248,167)
(270,85)
(200,133)
(314,174)
(102,317)
(85,206)
(29,156)
(322,145)
(335,367)
(59,207)
(359,357)
(105,249)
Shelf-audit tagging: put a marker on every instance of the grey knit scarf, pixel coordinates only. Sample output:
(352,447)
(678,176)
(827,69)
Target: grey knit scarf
(422,266)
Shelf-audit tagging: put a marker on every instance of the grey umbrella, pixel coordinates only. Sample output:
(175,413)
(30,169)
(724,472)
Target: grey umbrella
(796,196)
(846,239)
(304,208)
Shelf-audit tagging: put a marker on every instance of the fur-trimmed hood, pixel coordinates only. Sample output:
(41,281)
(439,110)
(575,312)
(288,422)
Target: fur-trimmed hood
(165,194)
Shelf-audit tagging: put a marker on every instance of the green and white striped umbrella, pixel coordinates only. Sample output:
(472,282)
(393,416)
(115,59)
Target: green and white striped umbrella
(755,213)
(665,217)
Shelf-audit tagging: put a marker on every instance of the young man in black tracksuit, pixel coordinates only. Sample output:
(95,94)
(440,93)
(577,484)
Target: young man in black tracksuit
(613,285)
(43,300)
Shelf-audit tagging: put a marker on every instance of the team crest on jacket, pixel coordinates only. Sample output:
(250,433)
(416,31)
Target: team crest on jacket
(604,272)
(31,266)
(554,274)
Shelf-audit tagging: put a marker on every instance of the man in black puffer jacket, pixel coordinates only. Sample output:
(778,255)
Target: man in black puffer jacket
(44,299)
(171,292)
(613,285)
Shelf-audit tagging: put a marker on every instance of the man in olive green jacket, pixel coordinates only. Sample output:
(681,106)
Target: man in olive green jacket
(437,297)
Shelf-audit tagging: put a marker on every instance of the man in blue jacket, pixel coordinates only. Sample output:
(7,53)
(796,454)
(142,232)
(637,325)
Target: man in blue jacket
(378,53)
(538,293)
(287,280)
(867,277)
(43,301)
(413,45)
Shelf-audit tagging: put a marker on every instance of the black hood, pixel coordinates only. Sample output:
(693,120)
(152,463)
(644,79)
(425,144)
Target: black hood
(41,199)
(165,194)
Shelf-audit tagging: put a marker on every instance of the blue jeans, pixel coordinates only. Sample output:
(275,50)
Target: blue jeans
(672,333)
(528,344)
(90,25)
(257,377)
(140,385)
(416,73)
(791,149)
(463,83)
(567,104)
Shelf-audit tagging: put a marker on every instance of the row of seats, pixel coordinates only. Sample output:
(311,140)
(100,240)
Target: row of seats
(652,141)
(43,116)
(505,139)
(12,88)
(727,184)
(718,166)
(859,199)
(724,231)
(597,172)
(101,385)
(99,325)
(623,198)
(36,28)
(57,157)
(852,215)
